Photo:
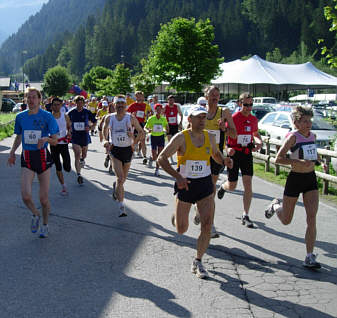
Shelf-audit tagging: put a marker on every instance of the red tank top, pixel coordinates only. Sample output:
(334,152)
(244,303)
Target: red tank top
(171,114)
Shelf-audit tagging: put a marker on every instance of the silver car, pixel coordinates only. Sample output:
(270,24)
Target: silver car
(278,124)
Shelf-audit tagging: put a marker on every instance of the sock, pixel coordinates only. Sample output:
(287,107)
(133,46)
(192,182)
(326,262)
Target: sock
(198,259)
(121,204)
(244,214)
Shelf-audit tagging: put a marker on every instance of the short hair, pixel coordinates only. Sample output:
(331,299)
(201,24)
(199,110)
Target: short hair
(301,111)
(139,92)
(244,95)
(210,88)
(170,96)
(56,99)
(79,97)
(34,89)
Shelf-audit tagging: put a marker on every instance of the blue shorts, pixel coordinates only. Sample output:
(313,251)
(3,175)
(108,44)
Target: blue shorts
(157,142)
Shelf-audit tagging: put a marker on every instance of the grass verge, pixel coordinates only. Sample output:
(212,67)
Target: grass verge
(6,128)
(282,178)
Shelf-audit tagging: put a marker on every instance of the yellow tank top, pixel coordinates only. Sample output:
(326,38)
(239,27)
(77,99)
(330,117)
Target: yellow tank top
(213,127)
(195,163)
(102,113)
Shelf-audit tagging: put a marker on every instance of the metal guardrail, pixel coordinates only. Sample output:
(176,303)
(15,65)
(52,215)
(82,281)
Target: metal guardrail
(269,158)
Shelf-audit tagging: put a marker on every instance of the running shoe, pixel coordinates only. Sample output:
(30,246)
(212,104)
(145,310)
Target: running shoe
(221,192)
(198,269)
(106,161)
(64,191)
(214,233)
(44,231)
(310,262)
(156,173)
(144,161)
(173,220)
(122,212)
(246,221)
(114,191)
(270,211)
(80,180)
(35,223)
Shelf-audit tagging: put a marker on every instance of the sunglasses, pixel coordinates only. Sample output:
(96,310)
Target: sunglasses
(248,105)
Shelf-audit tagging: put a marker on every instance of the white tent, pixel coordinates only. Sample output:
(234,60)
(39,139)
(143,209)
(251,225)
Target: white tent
(258,75)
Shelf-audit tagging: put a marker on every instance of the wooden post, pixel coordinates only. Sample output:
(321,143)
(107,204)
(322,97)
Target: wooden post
(326,160)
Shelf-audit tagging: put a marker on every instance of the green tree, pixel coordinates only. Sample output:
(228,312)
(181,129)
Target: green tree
(183,54)
(56,81)
(90,78)
(330,13)
(118,83)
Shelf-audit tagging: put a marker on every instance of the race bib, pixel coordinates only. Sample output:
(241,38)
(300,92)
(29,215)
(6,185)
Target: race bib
(309,152)
(79,126)
(172,120)
(140,114)
(120,139)
(195,169)
(217,135)
(244,140)
(31,137)
(157,128)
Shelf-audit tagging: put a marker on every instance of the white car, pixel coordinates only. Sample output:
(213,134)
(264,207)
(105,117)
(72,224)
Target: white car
(278,124)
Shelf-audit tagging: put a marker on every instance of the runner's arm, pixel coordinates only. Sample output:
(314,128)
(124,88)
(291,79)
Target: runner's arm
(139,129)
(257,137)
(217,155)
(16,144)
(181,115)
(227,116)
(106,131)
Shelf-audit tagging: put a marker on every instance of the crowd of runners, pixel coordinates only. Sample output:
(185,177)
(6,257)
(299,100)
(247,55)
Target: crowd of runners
(214,140)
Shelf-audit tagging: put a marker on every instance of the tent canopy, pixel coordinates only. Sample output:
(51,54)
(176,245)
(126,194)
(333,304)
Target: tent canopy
(259,75)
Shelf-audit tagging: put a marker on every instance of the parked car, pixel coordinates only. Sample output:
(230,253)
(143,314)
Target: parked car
(19,107)
(278,124)
(264,100)
(185,109)
(7,104)
(260,110)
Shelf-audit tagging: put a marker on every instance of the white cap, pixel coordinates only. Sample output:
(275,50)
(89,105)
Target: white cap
(197,110)
(119,99)
(105,103)
(202,101)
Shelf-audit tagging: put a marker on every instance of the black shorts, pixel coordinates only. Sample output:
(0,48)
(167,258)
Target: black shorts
(123,154)
(173,129)
(135,132)
(198,189)
(63,151)
(36,160)
(300,183)
(157,142)
(241,161)
(216,168)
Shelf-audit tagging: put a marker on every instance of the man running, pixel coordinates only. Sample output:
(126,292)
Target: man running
(118,135)
(35,128)
(194,148)
(248,140)
(140,110)
(61,149)
(157,125)
(171,112)
(80,118)
(217,118)
(93,107)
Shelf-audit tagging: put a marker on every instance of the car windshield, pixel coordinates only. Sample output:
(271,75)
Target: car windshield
(269,100)
(320,124)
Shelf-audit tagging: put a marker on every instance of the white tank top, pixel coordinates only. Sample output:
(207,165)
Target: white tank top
(119,130)
(62,123)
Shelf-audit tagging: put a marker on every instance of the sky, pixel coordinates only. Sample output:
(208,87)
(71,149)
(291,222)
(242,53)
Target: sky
(13,13)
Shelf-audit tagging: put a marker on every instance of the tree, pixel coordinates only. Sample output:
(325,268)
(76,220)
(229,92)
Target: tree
(56,81)
(90,78)
(330,13)
(143,81)
(183,54)
(118,83)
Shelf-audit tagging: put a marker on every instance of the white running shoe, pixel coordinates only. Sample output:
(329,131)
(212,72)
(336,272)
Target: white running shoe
(198,269)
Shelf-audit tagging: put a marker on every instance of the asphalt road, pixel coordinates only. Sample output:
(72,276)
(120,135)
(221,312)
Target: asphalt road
(95,264)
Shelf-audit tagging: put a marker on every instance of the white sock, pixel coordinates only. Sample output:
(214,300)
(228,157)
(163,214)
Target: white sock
(244,214)
(120,204)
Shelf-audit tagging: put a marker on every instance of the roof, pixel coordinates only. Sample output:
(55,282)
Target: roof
(255,70)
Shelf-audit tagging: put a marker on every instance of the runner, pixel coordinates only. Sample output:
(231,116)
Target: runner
(120,142)
(80,126)
(100,114)
(302,179)
(156,125)
(140,110)
(194,148)
(171,112)
(217,118)
(61,149)
(93,107)
(248,140)
(34,129)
